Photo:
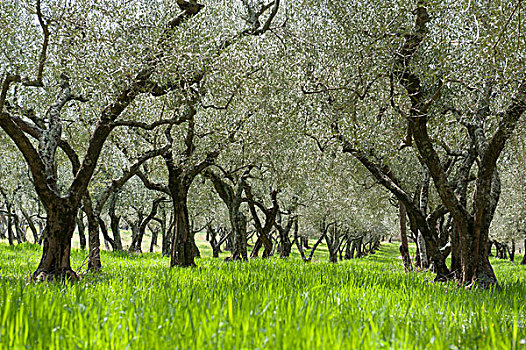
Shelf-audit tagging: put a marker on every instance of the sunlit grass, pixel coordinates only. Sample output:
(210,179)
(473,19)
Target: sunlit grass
(138,302)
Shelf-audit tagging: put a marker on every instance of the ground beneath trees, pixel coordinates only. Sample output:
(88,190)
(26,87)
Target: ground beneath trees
(368,303)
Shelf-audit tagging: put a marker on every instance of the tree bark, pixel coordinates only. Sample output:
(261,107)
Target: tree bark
(233,200)
(55,260)
(10,233)
(31,225)
(94,262)
(182,250)
(3,227)
(81,230)
(284,236)
(404,246)
(115,224)
(263,230)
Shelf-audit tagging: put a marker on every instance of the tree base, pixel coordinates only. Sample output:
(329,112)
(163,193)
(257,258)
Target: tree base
(58,275)
(189,264)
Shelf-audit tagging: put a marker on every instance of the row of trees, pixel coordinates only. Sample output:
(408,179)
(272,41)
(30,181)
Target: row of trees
(298,116)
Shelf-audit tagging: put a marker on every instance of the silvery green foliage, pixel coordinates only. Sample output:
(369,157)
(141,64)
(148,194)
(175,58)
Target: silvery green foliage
(278,93)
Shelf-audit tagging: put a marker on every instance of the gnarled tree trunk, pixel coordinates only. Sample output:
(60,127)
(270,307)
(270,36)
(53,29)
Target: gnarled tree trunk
(60,225)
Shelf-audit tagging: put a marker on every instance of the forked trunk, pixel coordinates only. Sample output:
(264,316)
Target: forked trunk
(262,242)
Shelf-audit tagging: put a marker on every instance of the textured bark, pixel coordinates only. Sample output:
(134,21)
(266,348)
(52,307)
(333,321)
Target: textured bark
(263,230)
(332,239)
(115,224)
(55,260)
(523,261)
(94,262)
(472,229)
(422,251)
(182,250)
(180,178)
(284,236)
(233,200)
(81,228)
(404,246)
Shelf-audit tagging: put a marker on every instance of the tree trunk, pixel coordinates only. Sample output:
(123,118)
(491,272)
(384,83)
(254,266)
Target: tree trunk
(31,224)
(358,243)
(94,262)
(155,235)
(81,229)
(284,233)
(197,252)
(332,241)
(19,228)
(239,226)
(348,253)
(257,247)
(134,247)
(116,231)
(105,234)
(424,261)
(10,233)
(55,261)
(167,233)
(314,247)
(182,250)
(523,262)
(3,227)
(41,229)
(305,242)
(404,246)
(211,237)
(476,268)
(232,199)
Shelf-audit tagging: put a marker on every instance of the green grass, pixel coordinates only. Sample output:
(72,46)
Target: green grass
(137,302)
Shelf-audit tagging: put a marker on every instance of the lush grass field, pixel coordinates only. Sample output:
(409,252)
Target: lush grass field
(137,302)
